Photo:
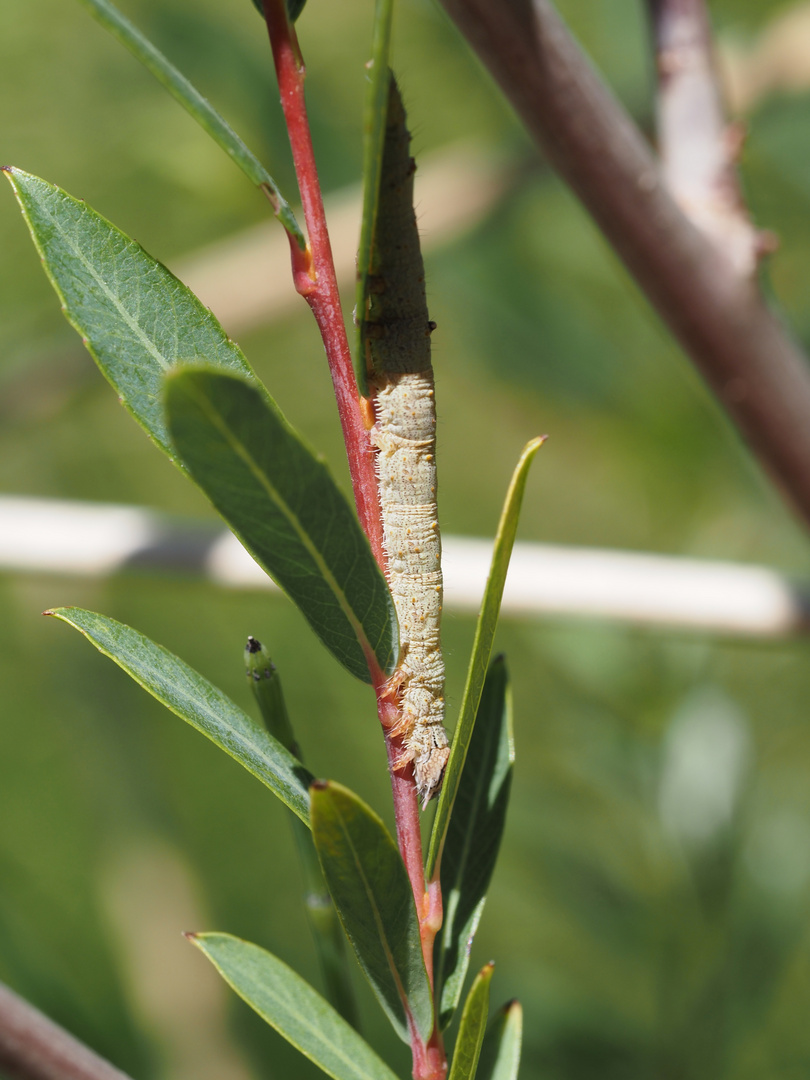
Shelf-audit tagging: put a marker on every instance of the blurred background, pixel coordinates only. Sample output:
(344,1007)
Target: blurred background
(651,902)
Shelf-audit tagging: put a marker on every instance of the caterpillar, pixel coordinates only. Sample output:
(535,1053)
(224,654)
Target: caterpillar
(396,337)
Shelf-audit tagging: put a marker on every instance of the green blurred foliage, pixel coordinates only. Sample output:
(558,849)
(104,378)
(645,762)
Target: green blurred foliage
(651,902)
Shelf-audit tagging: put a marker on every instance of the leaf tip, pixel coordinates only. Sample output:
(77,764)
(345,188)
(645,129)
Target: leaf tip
(49,611)
(319,785)
(190,935)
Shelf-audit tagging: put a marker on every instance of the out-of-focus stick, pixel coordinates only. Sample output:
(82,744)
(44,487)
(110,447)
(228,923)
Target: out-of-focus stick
(694,595)
(750,361)
(32,1047)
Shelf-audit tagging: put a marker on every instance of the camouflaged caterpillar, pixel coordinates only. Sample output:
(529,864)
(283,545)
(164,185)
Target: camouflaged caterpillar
(396,334)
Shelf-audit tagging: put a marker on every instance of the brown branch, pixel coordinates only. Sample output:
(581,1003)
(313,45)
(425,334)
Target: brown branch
(698,149)
(32,1047)
(743,351)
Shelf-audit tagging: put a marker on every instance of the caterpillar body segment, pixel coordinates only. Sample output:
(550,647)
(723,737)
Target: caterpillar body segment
(397,346)
(407,477)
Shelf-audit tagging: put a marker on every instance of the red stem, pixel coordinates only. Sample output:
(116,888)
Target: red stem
(315,279)
(314,273)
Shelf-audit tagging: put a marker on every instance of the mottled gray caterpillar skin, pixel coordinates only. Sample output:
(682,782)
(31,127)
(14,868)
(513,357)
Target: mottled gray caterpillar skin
(397,337)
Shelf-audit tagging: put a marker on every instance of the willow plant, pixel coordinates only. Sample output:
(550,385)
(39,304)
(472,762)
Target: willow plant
(367,579)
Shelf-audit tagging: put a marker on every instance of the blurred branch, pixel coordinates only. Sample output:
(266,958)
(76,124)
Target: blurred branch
(703,596)
(745,354)
(698,150)
(32,1047)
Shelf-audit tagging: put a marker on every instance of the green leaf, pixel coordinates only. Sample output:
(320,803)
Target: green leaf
(293,1008)
(138,321)
(199,703)
(474,836)
(472,1027)
(134,316)
(327,933)
(500,1054)
(374,122)
(481,651)
(371,891)
(197,106)
(284,506)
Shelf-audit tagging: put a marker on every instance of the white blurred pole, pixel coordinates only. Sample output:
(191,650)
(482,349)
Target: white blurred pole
(59,537)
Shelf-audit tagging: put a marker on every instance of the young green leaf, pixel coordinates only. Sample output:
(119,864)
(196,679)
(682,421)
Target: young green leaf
(197,106)
(474,836)
(199,703)
(293,1008)
(284,506)
(472,1027)
(327,933)
(500,1053)
(482,648)
(375,117)
(136,319)
(265,685)
(371,891)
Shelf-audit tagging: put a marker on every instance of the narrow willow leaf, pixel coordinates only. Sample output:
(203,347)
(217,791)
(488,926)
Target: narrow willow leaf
(136,319)
(371,891)
(472,1027)
(138,322)
(327,934)
(374,122)
(293,1008)
(482,649)
(197,106)
(500,1054)
(474,836)
(199,703)
(284,506)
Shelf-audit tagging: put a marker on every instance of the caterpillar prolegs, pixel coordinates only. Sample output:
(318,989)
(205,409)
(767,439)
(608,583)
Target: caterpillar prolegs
(396,335)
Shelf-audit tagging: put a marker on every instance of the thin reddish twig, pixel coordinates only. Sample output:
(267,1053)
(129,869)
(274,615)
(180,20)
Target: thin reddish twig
(314,272)
(315,279)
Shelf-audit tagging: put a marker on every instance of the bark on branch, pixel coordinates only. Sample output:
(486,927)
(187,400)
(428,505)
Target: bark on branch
(743,351)
(698,149)
(32,1047)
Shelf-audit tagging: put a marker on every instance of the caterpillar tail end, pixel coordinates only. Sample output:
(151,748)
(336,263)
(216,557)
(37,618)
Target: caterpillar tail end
(429,774)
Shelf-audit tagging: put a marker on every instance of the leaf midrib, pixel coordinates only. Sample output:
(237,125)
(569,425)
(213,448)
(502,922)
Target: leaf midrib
(123,312)
(375,912)
(278,998)
(260,475)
